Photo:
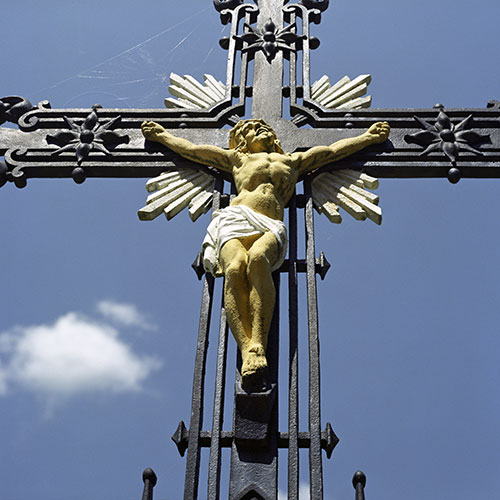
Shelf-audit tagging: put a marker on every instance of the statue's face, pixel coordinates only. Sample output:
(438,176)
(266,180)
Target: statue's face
(259,136)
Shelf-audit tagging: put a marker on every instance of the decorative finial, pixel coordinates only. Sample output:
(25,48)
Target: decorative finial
(359,478)
(149,475)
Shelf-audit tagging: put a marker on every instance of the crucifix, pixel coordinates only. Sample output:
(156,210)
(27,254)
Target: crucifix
(109,143)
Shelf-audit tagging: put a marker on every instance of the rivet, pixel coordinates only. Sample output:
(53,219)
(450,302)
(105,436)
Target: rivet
(454,175)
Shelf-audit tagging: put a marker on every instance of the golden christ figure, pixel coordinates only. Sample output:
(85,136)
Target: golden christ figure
(247,241)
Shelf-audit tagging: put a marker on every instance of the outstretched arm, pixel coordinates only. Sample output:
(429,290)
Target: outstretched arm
(322,155)
(204,154)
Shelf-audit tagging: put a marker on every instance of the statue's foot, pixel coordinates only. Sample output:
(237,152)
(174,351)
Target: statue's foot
(254,370)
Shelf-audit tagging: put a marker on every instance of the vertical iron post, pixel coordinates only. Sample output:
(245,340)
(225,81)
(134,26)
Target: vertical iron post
(196,421)
(268,74)
(315,459)
(293,367)
(214,466)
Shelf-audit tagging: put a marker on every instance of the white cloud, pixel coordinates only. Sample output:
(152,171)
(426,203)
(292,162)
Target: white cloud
(303,493)
(3,381)
(72,356)
(124,314)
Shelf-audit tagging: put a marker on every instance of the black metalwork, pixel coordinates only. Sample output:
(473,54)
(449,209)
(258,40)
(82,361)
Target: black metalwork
(359,483)
(221,5)
(322,266)
(3,173)
(328,439)
(92,134)
(255,439)
(269,39)
(149,478)
(254,450)
(109,143)
(12,108)
(447,137)
(315,459)
(293,355)
(320,5)
(214,467)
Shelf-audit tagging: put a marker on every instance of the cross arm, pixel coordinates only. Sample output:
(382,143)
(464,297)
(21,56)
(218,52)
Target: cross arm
(100,143)
(434,142)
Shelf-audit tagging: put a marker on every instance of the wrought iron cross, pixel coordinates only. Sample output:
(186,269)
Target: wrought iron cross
(266,37)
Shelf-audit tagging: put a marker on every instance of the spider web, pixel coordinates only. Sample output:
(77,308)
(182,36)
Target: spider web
(138,77)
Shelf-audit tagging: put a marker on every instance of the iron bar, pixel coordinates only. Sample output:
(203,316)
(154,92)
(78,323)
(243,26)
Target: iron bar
(226,439)
(231,59)
(306,57)
(267,100)
(214,467)
(322,266)
(293,68)
(293,367)
(254,471)
(244,68)
(315,459)
(196,422)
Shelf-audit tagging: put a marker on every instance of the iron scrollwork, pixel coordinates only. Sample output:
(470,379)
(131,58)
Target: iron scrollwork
(320,5)
(12,108)
(314,8)
(221,5)
(3,173)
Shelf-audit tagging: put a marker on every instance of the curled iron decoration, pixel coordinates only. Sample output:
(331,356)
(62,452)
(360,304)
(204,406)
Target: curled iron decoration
(30,121)
(14,167)
(221,5)
(90,135)
(12,108)
(270,39)
(3,173)
(320,5)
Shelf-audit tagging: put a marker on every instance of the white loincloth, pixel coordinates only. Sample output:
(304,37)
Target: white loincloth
(239,221)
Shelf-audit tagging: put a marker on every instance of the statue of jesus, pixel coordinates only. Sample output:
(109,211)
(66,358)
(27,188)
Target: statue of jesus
(247,241)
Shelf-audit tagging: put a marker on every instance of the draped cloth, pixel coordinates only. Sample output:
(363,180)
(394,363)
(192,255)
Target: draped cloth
(239,221)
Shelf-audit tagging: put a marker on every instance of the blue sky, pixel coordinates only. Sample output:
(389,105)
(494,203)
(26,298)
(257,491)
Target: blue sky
(99,310)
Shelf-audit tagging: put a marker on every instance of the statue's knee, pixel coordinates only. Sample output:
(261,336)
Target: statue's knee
(257,263)
(235,270)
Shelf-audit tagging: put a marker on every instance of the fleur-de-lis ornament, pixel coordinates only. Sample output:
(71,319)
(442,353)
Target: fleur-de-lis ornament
(270,39)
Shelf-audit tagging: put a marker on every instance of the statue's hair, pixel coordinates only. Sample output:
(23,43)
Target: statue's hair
(238,141)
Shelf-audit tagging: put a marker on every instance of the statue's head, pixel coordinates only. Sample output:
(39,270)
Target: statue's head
(238,139)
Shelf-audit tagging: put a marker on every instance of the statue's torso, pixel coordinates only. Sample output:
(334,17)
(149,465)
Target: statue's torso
(265,182)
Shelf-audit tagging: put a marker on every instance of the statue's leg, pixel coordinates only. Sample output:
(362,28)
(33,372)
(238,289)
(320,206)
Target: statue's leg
(261,256)
(233,259)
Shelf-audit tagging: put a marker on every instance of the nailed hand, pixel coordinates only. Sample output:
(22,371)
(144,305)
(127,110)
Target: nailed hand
(378,132)
(151,130)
